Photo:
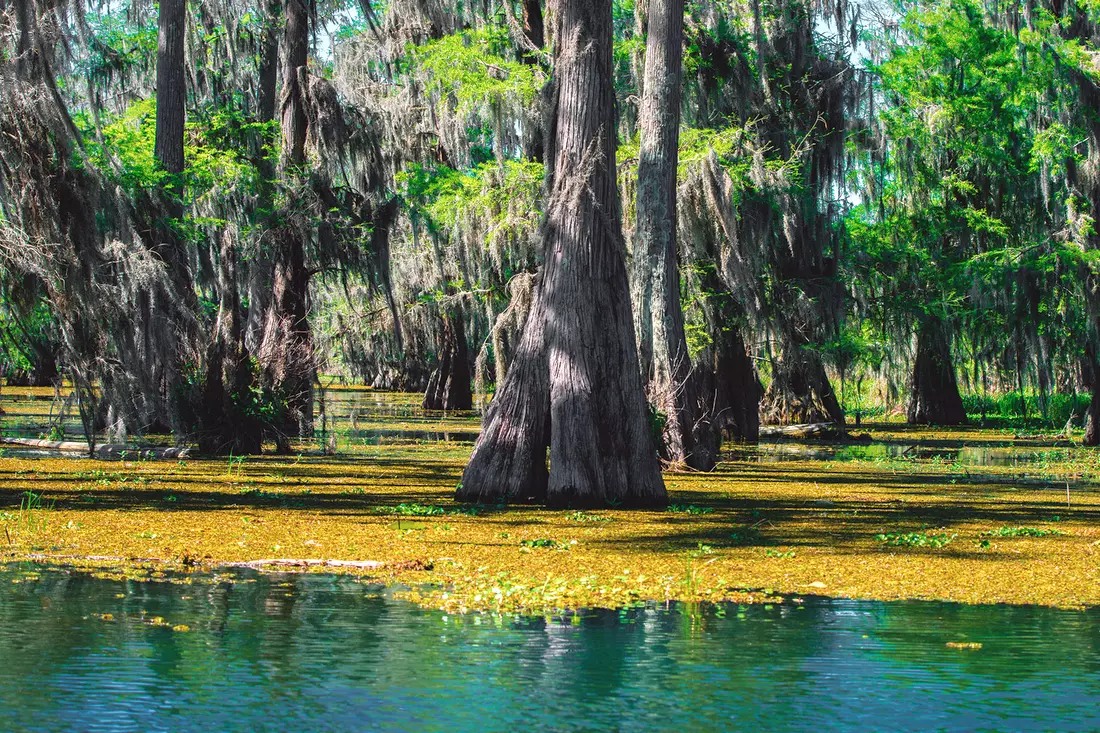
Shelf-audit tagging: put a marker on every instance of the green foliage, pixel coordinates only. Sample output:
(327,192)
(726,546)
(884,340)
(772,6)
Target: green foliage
(545,543)
(470,70)
(689,509)
(212,150)
(1022,532)
(916,539)
(412,510)
(500,197)
(1011,407)
(579,516)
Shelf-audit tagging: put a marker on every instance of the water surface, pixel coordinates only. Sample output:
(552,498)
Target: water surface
(325,653)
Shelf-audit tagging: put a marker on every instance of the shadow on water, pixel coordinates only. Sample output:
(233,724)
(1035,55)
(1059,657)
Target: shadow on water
(330,653)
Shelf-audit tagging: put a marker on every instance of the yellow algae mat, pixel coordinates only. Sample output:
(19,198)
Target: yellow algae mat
(882,528)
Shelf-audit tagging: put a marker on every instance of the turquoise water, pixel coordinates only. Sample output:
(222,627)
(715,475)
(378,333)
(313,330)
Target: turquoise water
(324,653)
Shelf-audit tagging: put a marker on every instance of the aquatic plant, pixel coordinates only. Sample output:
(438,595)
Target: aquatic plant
(546,543)
(916,539)
(689,509)
(1022,532)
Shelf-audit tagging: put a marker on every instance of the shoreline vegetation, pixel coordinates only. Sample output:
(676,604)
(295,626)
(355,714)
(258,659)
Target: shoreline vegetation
(968,515)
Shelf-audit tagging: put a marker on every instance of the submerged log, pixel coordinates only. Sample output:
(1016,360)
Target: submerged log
(109,450)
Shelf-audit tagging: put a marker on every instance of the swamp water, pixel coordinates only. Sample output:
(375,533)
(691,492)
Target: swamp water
(328,653)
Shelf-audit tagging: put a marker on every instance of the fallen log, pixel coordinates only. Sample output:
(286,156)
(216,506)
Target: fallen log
(287,562)
(826,430)
(107,450)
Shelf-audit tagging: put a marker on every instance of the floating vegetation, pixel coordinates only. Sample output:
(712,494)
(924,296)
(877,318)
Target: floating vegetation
(916,539)
(689,509)
(580,516)
(747,535)
(412,510)
(1023,532)
(546,543)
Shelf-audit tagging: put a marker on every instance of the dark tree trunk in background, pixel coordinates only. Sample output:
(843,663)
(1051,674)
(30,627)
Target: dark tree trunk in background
(261,268)
(574,386)
(659,321)
(1092,416)
(533,27)
(288,339)
(800,391)
(934,392)
(1092,366)
(449,386)
(171,93)
(168,150)
(733,388)
(535,33)
(224,427)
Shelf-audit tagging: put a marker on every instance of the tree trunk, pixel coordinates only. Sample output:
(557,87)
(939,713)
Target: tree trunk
(261,268)
(171,94)
(1092,421)
(449,385)
(288,339)
(659,321)
(574,385)
(168,150)
(734,389)
(800,391)
(535,33)
(934,397)
(224,426)
(533,28)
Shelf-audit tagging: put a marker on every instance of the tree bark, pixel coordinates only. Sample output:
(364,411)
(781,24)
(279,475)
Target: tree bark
(659,320)
(449,386)
(261,268)
(171,92)
(168,148)
(800,391)
(733,388)
(224,427)
(1092,419)
(288,339)
(533,28)
(934,392)
(574,386)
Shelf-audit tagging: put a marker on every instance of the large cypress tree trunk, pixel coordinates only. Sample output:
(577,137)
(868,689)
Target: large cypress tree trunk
(574,386)
(288,339)
(659,320)
(934,398)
